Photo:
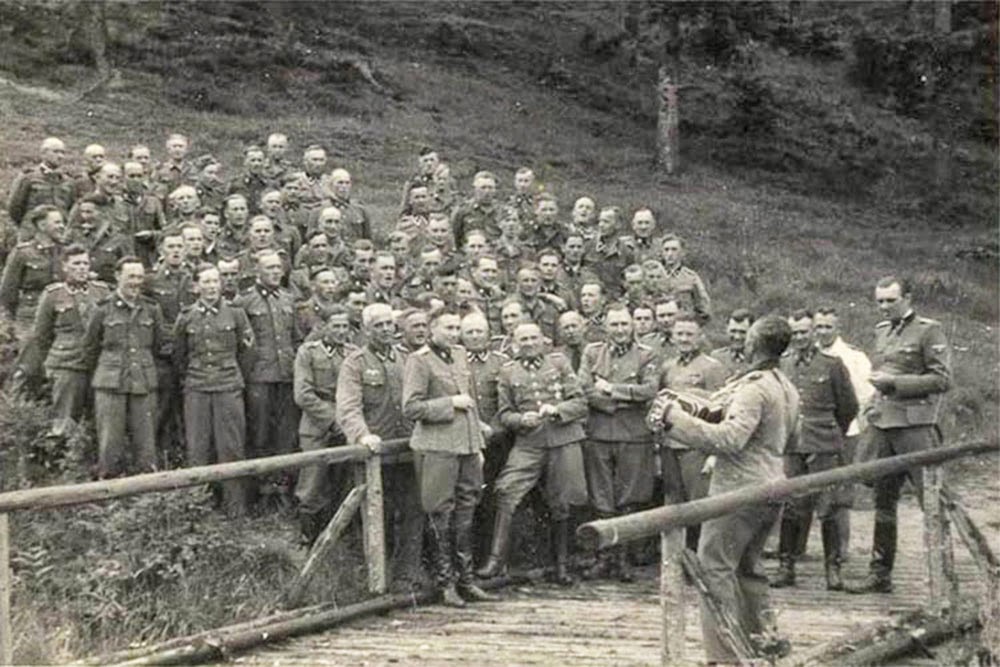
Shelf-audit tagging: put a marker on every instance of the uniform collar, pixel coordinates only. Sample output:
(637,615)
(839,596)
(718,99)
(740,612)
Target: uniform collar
(209,308)
(805,357)
(532,363)
(479,357)
(443,352)
(385,355)
(268,292)
(76,288)
(120,300)
(620,349)
(900,324)
(685,358)
(332,347)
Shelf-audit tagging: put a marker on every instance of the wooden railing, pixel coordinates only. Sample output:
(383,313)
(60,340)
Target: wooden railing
(366,496)
(940,509)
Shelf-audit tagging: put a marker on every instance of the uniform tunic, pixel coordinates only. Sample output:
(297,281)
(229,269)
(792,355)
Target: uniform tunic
(30,268)
(37,186)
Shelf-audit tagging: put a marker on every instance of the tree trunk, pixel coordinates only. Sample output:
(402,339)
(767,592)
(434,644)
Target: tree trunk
(668,121)
(942,16)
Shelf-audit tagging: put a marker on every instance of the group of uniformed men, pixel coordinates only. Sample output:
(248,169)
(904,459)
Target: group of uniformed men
(512,348)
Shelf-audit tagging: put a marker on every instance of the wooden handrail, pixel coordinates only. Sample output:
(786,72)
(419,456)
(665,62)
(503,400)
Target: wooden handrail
(47,497)
(630,527)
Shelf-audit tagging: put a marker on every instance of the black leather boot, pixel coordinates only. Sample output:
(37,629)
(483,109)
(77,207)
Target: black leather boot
(786,573)
(439,542)
(879,579)
(622,564)
(560,553)
(463,559)
(788,544)
(496,564)
(832,554)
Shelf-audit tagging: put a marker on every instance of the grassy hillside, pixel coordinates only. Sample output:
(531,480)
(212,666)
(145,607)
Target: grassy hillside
(809,207)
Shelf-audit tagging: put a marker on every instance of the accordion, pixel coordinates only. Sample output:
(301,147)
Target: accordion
(703,408)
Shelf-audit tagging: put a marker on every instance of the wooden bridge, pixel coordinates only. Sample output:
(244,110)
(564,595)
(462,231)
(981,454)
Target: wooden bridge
(593,623)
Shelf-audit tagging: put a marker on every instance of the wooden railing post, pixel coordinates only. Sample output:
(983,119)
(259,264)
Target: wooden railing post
(934,541)
(672,596)
(369,473)
(6,638)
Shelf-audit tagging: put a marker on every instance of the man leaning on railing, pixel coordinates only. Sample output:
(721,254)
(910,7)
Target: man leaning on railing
(755,421)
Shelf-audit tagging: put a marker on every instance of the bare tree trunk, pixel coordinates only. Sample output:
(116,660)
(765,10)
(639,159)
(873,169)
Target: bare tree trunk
(97,22)
(668,121)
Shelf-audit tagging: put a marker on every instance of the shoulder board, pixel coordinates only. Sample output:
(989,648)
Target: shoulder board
(509,363)
(25,244)
(107,298)
(926,320)
(753,376)
(883,323)
(593,345)
(557,355)
(54,286)
(422,350)
(500,355)
(643,346)
(149,301)
(786,353)
(827,353)
(312,343)
(711,360)
(99,283)
(188,308)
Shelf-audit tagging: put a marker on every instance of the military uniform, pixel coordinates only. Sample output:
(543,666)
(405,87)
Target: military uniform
(524,204)
(105,247)
(827,405)
(122,343)
(542,312)
(317,364)
(355,223)
(60,325)
(915,352)
(760,414)
(560,288)
(607,259)
(272,417)
(538,237)
(37,186)
(212,343)
(733,358)
(638,249)
(30,268)
(170,175)
(661,344)
(447,444)
(111,209)
(252,186)
(473,214)
(369,401)
(311,314)
(689,290)
(683,480)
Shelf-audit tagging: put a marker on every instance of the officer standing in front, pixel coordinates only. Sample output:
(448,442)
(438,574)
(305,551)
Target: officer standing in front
(447,443)
(212,345)
(910,370)
(124,337)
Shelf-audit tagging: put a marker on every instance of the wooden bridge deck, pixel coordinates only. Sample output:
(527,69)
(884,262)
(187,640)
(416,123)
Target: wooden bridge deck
(612,624)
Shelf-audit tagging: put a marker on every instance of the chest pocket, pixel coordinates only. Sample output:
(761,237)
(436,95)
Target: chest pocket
(372,385)
(692,379)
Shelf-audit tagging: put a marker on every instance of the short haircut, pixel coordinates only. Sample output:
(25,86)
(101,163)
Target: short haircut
(313,147)
(373,309)
(800,314)
(72,250)
(363,244)
(546,196)
(595,282)
(410,312)
(436,315)
(773,335)
(742,315)
(524,170)
(671,237)
(253,148)
(385,254)
(549,252)
(484,175)
(618,307)
(39,213)
(336,310)
(905,285)
(476,316)
(688,317)
(127,259)
(827,309)
(201,268)
(261,218)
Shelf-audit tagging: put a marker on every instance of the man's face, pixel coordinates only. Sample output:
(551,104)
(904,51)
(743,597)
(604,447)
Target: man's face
(642,318)
(523,182)
(428,163)
(619,326)
(511,316)
(130,278)
(54,153)
(442,177)
(54,226)
(94,157)
(236,212)
(76,268)
(802,333)
(420,200)
(212,173)
(109,179)
(173,250)
(548,267)
(483,189)
(186,200)
(399,245)
(329,222)
(380,328)
(464,291)
(177,148)
(635,283)
(194,242)
(324,285)
(583,211)
(319,247)
(356,302)
(487,272)
(277,146)
(385,272)
(135,177)
(261,234)
(210,285)
(643,224)
(607,224)
(270,270)
(445,286)
(737,330)
(528,282)
(546,212)
(686,336)
(826,327)
(655,276)
(439,231)
(430,262)
(337,328)
(270,205)
(571,329)
(475,246)
(671,253)
(363,261)
(211,224)
(573,250)
(666,313)
(142,155)
(254,161)
(591,299)
(292,191)
(341,184)
(414,330)
(528,339)
(87,213)
(229,273)
(891,301)
(314,161)
(475,333)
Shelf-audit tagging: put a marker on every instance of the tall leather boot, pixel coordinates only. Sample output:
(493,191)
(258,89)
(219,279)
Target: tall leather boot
(496,564)
(879,579)
(560,552)
(463,559)
(788,544)
(622,564)
(440,548)
(832,554)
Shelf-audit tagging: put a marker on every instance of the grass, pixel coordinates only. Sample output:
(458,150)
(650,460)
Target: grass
(484,110)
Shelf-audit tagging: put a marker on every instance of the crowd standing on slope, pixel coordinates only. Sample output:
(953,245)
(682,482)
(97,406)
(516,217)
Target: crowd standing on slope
(197,319)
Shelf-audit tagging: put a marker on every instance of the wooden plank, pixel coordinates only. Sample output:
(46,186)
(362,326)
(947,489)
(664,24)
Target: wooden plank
(672,604)
(6,637)
(324,545)
(373,524)
(937,600)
